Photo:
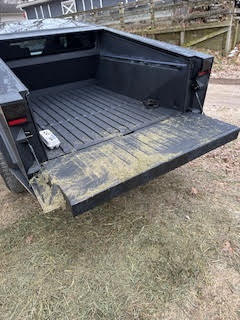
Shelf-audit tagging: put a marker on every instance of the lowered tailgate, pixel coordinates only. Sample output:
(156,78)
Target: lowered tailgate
(98,173)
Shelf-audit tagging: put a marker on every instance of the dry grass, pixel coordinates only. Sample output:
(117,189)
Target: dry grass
(164,251)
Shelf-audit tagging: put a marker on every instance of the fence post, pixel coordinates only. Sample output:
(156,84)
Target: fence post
(228,45)
(121,15)
(182,38)
(236,33)
(152,12)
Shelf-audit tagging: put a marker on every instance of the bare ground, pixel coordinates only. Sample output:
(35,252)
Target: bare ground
(167,250)
(226,67)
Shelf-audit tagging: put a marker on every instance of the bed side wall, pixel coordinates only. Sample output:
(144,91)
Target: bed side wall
(146,71)
(44,75)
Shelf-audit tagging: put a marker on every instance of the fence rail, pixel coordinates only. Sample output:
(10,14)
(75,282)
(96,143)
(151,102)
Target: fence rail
(150,13)
(212,24)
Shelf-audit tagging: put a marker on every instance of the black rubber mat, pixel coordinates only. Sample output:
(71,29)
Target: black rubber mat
(84,115)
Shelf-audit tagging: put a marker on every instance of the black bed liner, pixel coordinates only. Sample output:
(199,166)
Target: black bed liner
(83,114)
(90,176)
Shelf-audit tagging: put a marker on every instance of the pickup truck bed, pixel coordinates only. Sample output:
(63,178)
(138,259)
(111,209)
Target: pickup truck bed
(83,114)
(125,108)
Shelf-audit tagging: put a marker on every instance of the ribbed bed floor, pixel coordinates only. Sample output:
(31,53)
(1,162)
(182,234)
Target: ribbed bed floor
(81,115)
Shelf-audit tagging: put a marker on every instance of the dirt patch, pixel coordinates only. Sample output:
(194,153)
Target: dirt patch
(219,298)
(225,67)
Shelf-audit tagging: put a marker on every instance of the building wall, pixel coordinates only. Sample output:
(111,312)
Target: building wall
(30,14)
(79,5)
(56,8)
(46,11)
(35,12)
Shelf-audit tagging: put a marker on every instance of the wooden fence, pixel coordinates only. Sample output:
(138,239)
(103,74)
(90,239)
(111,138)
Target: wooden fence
(187,22)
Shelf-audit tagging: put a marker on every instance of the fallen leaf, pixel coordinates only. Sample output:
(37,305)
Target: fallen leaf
(29,239)
(227,248)
(194,191)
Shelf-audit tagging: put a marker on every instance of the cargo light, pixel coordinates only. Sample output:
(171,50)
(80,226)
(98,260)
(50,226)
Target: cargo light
(17,122)
(202,73)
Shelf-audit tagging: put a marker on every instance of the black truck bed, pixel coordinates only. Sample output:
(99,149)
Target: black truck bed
(111,143)
(83,114)
(93,88)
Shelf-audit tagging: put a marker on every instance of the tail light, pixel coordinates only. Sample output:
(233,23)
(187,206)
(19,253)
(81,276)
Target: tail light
(15,114)
(17,122)
(203,73)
